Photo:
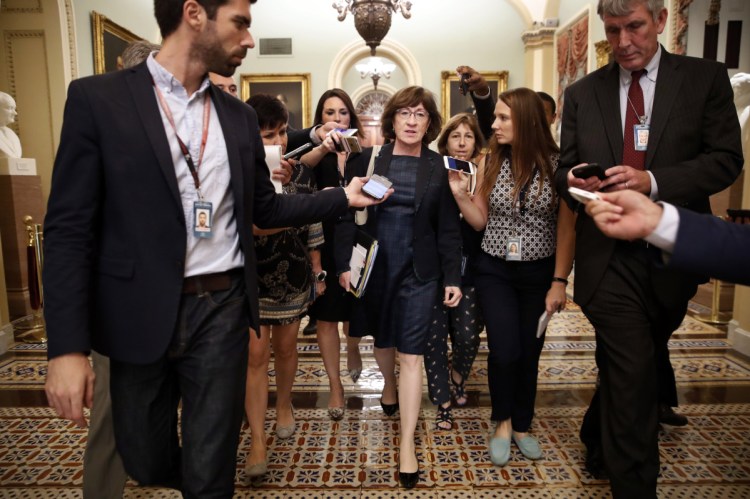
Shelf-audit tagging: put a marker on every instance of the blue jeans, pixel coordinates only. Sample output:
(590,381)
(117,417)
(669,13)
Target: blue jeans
(205,366)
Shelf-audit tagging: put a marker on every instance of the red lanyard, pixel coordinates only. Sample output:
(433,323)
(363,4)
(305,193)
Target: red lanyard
(188,158)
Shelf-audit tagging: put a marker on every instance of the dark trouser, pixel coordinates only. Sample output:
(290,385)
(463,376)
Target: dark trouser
(511,295)
(632,326)
(464,324)
(205,367)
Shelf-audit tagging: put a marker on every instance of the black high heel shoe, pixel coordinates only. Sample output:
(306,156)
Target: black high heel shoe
(409,480)
(389,409)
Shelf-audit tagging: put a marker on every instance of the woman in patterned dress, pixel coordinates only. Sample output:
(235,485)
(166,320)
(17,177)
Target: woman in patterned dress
(287,260)
(461,138)
(522,270)
(419,256)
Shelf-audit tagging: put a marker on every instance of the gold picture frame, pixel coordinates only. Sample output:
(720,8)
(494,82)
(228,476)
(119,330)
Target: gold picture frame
(294,86)
(603,53)
(454,102)
(109,39)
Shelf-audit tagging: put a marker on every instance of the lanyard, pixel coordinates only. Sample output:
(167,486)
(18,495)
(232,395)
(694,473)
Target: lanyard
(185,152)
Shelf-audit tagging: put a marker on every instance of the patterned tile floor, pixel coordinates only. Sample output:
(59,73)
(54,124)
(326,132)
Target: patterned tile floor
(40,455)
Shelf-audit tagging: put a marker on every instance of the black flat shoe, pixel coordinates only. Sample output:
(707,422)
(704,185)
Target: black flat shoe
(595,463)
(669,417)
(408,480)
(389,409)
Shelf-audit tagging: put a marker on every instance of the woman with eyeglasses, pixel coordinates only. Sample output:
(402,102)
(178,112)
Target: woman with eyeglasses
(522,270)
(419,257)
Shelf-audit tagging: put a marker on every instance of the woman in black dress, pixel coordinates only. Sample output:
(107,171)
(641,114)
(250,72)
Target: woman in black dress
(419,253)
(335,306)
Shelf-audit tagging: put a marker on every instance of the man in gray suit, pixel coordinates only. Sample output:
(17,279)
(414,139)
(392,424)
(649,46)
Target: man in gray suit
(669,132)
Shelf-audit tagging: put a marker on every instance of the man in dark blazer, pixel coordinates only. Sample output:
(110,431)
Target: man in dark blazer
(692,151)
(169,306)
(690,242)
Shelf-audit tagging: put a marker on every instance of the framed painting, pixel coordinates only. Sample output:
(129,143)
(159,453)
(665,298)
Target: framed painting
(291,88)
(572,58)
(454,102)
(109,39)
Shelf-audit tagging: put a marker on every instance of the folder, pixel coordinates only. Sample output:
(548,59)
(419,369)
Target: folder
(364,251)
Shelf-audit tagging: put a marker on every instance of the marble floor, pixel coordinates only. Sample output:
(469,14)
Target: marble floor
(40,455)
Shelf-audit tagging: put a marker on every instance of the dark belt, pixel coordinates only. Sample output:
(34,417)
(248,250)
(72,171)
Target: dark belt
(219,281)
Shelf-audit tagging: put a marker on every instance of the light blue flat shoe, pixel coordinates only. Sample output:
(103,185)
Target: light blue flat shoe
(499,450)
(529,447)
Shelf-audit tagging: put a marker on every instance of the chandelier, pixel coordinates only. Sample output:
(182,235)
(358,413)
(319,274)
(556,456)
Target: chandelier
(375,68)
(372,18)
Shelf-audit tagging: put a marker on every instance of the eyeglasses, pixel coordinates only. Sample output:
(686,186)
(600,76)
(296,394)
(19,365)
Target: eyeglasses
(405,114)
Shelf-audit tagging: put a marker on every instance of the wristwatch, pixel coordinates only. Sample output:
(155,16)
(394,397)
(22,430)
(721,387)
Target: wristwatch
(321,276)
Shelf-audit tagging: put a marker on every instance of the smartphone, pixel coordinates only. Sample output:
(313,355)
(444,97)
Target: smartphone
(295,154)
(460,165)
(589,170)
(464,84)
(377,186)
(582,196)
(348,144)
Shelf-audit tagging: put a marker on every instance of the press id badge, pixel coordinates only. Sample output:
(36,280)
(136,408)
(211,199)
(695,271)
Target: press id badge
(513,253)
(203,212)
(640,137)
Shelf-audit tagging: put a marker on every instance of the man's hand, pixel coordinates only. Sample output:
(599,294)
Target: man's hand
(625,214)
(452,296)
(623,177)
(590,184)
(357,198)
(70,386)
(475,80)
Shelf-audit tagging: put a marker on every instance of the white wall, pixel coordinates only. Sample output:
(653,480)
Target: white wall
(485,34)
(731,10)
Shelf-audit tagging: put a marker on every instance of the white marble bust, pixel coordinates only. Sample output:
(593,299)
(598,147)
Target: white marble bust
(741,87)
(10,146)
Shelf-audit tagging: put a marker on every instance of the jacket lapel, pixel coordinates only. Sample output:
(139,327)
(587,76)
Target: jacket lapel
(608,97)
(424,175)
(233,152)
(668,83)
(141,86)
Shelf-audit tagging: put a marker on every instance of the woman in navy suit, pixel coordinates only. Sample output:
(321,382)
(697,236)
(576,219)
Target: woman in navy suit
(419,252)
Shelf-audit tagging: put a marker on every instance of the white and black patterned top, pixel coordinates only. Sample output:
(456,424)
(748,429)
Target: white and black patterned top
(535,223)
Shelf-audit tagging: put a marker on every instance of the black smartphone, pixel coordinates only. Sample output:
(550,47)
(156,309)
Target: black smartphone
(590,170)
(464,84)
(295,154)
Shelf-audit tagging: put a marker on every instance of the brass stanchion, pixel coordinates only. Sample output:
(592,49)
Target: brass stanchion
(31,329)
(715,317)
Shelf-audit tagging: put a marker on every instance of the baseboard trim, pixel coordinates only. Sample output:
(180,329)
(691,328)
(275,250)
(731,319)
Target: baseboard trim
(739,338)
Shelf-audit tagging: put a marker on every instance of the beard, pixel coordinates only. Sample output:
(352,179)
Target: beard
(209,51)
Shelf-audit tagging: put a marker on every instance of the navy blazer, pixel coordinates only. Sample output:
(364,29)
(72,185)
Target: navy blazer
(711,246)
(437,236)
(694,151)
(115,233)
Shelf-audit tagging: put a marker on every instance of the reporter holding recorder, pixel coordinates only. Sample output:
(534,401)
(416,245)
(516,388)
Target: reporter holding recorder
(518,208)
(418,233)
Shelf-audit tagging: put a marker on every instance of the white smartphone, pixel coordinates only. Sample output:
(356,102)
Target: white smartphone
(582,196)
(460,165)
(377,186)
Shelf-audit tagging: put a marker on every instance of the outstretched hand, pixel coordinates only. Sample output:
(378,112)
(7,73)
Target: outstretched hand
(357,198)
(625,214)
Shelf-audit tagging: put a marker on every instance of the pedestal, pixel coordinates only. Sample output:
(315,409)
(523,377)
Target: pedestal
(20,195)
(17,166)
